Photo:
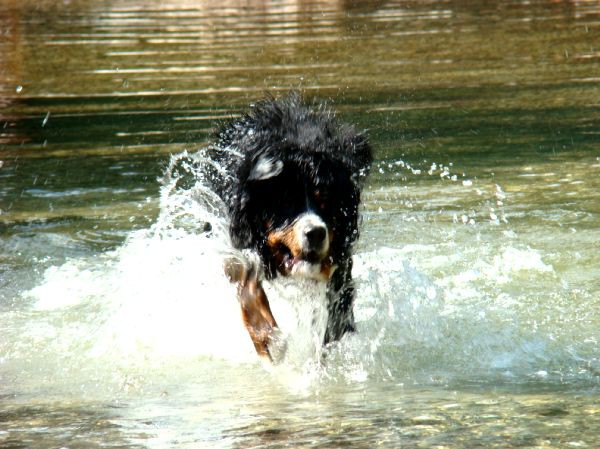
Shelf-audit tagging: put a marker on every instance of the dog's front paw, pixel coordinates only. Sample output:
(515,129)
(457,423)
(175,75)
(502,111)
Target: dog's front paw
(256,312)
(236,269)
(267,338)
(277,346)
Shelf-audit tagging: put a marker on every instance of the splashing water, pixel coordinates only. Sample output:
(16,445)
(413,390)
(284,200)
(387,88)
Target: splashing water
(160,309)
(162,299)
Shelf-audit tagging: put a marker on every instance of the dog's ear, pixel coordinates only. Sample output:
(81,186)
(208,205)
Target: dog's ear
(243,211)
(265,167)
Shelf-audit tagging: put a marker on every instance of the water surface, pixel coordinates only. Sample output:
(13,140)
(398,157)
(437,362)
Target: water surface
(477,269)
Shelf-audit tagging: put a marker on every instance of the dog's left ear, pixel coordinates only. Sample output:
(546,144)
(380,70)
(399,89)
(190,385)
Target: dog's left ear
(265,167)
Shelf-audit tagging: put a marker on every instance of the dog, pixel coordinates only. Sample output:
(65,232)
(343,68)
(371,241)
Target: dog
(290,177)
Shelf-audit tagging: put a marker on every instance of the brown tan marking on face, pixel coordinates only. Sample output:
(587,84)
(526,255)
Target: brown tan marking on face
(285,239)
(294,254)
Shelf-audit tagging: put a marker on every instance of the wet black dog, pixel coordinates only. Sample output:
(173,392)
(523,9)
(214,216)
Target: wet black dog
(291,177)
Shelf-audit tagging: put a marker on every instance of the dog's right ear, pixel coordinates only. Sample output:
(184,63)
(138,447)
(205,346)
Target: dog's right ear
(265,167)
(242,213)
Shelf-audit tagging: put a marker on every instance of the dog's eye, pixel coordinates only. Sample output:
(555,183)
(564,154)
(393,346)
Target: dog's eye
(320,199)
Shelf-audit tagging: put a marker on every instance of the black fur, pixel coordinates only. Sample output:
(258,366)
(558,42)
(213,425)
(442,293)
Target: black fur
(281,159)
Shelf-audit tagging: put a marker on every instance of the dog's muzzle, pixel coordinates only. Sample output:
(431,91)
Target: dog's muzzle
(302,248)
(312,234)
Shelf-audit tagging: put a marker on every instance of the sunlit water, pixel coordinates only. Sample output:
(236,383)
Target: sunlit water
(478,306)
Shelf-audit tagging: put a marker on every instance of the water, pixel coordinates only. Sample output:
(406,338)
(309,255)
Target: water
(477,269)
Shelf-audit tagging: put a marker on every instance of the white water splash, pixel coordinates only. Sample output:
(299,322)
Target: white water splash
(160,307)
(162,299)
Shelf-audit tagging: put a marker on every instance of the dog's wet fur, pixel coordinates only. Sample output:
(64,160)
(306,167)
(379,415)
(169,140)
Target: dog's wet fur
(290,176)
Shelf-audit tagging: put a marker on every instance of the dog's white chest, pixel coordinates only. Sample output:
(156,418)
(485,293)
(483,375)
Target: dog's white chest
(300,308)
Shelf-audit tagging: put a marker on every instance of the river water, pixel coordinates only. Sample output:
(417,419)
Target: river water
(478,272)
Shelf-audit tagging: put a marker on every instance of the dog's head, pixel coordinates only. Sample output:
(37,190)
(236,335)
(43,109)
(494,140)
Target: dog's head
(299,191)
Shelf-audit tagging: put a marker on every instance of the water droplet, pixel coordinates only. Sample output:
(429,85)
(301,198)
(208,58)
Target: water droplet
(45,121)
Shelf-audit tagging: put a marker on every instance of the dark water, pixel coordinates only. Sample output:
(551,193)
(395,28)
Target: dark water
(479,291)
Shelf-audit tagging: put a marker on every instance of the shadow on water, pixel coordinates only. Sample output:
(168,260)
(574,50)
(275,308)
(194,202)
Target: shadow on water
(477,269)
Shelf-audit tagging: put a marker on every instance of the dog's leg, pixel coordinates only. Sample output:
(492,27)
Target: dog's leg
(340,295)
(256,312)
(257,316)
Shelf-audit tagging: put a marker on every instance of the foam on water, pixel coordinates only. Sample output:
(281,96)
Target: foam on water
(159,302)
(167,296)
(160,307)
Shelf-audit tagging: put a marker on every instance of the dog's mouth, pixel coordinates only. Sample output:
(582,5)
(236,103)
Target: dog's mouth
(311,264)
(289,261)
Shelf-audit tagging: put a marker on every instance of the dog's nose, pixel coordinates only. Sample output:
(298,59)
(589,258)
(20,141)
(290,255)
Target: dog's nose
(315,236)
